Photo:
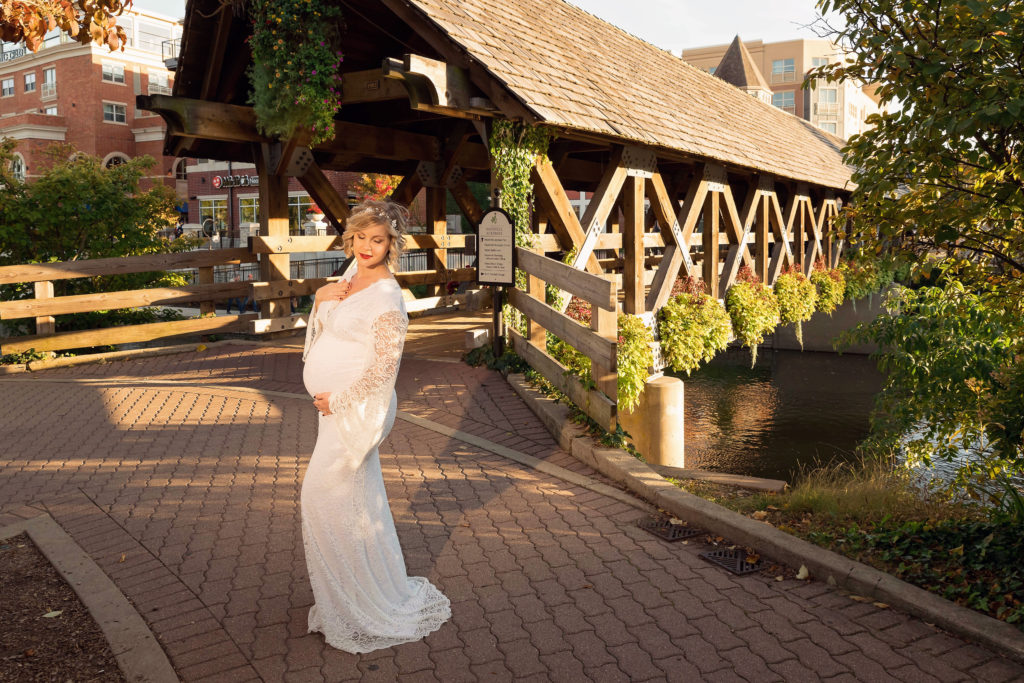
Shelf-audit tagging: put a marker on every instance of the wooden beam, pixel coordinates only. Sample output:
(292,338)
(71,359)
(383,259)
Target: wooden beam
(633,245)
(334,206)
(125,334)
(438,224)
(45,324)
(738,249)
(132,298)
(407,190)
(712,211)
(762,227)
(601,205)
(467,203)
(552,197)
(358,87)
(564,327)
(146,263)
(274,215)
(190,118)
(215,66)
(593,288)
(678,254)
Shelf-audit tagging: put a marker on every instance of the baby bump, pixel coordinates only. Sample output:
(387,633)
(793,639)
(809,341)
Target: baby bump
(332,364)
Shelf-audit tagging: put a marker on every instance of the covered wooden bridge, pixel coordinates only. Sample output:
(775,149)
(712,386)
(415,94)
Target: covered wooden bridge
(687,175)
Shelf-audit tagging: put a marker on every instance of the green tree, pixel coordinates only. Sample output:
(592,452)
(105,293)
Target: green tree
(940,180)
(78,209)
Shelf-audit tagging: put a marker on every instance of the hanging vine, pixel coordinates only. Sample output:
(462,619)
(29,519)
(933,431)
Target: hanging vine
(515,148)
(295,71)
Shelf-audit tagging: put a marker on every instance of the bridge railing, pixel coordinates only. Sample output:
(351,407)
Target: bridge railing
(44,306)
(598,342)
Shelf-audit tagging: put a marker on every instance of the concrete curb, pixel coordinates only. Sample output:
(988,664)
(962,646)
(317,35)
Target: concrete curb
(135,647)
(822,564)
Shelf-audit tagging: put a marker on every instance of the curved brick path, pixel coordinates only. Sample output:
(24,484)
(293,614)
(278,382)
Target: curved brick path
(188,498)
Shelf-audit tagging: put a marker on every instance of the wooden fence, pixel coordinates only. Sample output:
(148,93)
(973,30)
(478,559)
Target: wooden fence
(598,342)
(44,306)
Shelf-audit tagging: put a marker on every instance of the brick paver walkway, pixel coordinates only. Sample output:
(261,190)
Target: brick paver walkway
(187,496)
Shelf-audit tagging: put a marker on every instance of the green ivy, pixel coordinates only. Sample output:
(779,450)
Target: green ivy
(693,328)
(634,357)
(295,71)
(797,298)
(754,311)
(515,148)
(831,287)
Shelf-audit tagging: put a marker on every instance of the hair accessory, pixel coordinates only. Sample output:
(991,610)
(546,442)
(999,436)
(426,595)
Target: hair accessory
(381,213)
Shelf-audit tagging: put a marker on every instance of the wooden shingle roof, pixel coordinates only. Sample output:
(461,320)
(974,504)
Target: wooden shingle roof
(579,72)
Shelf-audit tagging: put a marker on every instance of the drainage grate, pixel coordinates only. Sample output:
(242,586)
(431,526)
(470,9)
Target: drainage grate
(734,560)
(663,528)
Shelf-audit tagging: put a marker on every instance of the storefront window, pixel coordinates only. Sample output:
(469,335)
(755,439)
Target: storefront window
(248,210)
(297,207)
(215,210)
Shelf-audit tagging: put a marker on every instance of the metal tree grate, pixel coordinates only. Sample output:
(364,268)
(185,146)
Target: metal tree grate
(663,528)
(734,560)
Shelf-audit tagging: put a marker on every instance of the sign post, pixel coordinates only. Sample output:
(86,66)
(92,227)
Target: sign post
(495,265)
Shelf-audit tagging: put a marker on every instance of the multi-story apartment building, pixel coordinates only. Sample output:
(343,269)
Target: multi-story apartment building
(84,95)
(837,108)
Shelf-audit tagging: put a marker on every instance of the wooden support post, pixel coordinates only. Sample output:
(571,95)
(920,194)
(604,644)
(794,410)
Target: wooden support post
(761,238)
(334,206)
(555,203)
(438,223)
(273,223)
(633,245)
(677,228)
(605,323)
(206,278)
(45,324)
(468,204)
(710,244)
(535,288)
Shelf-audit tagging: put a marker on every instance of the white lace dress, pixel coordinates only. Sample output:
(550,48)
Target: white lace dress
(364,600)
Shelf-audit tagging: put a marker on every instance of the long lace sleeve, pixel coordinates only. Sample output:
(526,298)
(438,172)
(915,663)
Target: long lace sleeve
(388,331)
(312,330)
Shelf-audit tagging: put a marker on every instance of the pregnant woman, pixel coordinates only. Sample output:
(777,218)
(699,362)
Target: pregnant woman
(364,600)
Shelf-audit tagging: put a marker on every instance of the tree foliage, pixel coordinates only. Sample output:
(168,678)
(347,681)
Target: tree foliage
(940,182)
(77,209)
(87,21)
(942,170)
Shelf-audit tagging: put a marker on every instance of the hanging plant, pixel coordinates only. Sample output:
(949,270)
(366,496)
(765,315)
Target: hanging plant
(831,286)
(797,298)
(693,328)
(295,71)
(753,309)
(634,357)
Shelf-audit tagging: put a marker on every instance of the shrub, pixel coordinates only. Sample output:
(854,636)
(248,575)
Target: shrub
(831,286)
(693,328)
(753,309)
(797,298)
(634,357)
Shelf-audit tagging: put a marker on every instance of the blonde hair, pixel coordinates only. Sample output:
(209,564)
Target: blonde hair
(391,215)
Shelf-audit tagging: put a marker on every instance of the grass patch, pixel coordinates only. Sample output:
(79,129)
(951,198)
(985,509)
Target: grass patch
(884,517)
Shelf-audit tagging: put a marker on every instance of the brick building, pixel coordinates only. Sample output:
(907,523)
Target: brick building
(84,95)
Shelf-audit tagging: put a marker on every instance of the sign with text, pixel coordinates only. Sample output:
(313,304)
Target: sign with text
(496,249)
(220,181)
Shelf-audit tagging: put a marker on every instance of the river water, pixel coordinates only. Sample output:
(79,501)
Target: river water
(792,409)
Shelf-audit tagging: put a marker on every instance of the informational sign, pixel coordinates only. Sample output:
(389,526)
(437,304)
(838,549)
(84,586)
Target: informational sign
(220,181)
(496,242)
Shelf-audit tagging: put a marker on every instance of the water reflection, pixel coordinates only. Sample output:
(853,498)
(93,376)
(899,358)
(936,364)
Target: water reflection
(792,408)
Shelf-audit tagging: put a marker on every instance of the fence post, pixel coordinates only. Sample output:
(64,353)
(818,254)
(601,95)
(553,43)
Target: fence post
(45,325)
(605,324)
(206,278)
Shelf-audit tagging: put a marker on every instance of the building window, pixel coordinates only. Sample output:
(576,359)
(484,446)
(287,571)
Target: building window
(819,61)
(158,84)
(50,111)
(215,210)
(180,170)
(783,71)
(49,89)
(297,212)
(829,127)
(113,73)
(115,159)
(30,82)
(7,87)
(784,101)
(248,210)
(18,167)
(115,113)
(827,95)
